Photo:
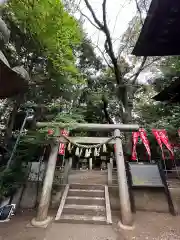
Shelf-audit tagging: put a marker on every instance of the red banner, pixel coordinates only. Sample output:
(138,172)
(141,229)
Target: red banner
(165,140)
(179,132)
(161,137)
(145,141)
(135,136)
(62,145)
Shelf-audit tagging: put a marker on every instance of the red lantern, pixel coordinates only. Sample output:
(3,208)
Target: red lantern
(50,132)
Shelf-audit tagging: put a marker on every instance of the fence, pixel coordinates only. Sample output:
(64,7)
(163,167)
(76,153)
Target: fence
(37,173)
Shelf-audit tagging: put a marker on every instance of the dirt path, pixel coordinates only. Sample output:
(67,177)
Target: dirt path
(19,229)
(148,226)
(152,226)
(81,232)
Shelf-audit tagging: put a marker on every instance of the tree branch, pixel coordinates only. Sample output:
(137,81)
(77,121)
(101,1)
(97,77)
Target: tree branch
(145,66)
(101,26)
(104,14)
(139,70)
(108,43)
(145,8)
(89,20)
(109,46)
(96,46)
(139,10)
(127,41)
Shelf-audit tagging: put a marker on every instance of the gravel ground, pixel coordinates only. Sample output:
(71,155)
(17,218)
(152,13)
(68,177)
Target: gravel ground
(151,226)
(17,228)
(148,225)
(81,232)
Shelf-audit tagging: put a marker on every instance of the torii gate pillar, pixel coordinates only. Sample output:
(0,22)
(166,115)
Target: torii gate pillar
(42,219)
(125,206)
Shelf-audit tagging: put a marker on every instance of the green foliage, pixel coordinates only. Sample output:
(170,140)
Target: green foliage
(130,36)
(48,23)
(11,180)
(88,62)
(151,114)
(72,117)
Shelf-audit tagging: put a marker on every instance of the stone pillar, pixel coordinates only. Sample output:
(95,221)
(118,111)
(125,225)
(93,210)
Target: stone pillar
(67,168)
(111,162)
(42,218)
(90,163)
(125,206)
(109,174)
(70,163)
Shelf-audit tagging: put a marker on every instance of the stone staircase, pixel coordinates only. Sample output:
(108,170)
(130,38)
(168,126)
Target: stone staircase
(85,204)
(114,177)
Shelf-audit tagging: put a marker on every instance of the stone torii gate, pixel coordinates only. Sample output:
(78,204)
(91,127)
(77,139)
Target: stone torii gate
(126,220)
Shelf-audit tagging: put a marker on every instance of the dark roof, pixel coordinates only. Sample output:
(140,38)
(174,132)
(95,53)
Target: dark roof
(170,93)
(11,81)
(160,34)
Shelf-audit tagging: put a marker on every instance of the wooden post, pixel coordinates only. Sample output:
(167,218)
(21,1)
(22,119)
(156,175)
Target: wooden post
(109,174)
(42,218)
(125,206)
(90,163)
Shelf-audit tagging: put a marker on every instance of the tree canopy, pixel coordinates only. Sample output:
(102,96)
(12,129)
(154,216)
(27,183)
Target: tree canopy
(51,26)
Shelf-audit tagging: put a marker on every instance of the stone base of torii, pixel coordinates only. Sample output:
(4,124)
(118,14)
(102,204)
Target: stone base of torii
(126,219)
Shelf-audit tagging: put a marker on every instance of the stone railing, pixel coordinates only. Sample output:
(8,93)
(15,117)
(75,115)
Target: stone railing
(61,174)
(110,168)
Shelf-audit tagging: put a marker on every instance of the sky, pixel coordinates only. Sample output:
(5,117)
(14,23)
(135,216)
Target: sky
(119,13)
(3,1)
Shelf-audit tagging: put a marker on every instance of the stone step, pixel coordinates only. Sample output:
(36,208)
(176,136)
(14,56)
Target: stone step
(114,175)
(86,193)
(114,182)
(70,218)
(92,210)
(86,186)
(75,172)
(86,200)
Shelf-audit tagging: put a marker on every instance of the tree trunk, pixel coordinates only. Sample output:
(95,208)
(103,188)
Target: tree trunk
(128,136)
(126,100)
(127,119)
(37,115)
(11,121)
